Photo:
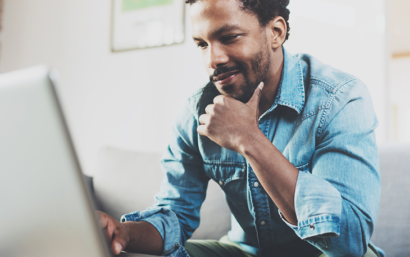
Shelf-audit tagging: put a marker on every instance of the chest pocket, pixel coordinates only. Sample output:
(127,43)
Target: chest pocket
(225,173)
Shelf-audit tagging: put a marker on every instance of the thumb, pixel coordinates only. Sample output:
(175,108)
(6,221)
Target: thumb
(254,101)
(120,241)
(117,248)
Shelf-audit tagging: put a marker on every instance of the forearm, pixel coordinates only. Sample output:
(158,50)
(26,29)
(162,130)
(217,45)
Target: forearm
(279,178)
(276,174)
(144,238)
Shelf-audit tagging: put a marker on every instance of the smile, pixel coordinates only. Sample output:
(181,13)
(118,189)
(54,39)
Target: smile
(226,78)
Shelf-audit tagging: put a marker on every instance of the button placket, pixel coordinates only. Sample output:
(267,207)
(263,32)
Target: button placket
(260,203)
(260,200)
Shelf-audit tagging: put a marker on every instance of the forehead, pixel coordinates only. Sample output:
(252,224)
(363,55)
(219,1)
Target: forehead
(208,16)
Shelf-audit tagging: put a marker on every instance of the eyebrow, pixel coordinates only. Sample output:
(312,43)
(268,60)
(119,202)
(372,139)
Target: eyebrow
(221,30)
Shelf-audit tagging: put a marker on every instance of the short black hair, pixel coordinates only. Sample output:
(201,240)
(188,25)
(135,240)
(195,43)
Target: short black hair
(265,10)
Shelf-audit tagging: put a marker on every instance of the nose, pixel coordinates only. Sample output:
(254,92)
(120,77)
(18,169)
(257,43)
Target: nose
(216,56)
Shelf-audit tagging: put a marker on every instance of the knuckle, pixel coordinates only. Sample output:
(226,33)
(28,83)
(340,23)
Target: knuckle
(200,130)
(219,99)
(118,231)
(211,107)
(202,119)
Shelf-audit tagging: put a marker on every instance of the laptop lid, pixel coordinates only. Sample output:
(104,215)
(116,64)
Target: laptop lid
(45,210)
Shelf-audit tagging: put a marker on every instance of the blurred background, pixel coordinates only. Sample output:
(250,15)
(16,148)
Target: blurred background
(129,99)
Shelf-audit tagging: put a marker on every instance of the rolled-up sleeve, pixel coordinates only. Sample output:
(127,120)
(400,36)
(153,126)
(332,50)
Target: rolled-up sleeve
(176,211)
(337,196)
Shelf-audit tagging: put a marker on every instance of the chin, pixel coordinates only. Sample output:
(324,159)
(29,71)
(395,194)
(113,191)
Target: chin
(239,92)
(244,94)
(243,98)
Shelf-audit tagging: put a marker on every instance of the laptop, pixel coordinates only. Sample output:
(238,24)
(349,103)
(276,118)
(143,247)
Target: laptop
(45,208)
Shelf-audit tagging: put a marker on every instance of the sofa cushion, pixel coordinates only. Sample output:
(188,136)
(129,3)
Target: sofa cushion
(392,230)
(126,181)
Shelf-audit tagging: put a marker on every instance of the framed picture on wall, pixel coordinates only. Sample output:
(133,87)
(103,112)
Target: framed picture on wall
(140,24)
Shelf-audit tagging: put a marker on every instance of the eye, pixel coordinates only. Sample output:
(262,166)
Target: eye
(201,45)
(229,38)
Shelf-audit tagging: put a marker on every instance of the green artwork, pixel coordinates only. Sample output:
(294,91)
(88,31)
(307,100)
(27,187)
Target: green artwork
(130,5)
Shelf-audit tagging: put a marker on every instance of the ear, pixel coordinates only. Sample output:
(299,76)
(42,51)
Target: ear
(276,31)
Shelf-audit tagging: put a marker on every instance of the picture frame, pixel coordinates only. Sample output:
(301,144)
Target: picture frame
(140,24)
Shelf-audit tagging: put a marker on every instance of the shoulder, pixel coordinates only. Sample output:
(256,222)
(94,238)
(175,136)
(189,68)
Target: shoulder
(323,75)
(336,92)
(328,83)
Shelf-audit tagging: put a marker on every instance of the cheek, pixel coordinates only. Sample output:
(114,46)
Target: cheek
(244,56)
(207,69)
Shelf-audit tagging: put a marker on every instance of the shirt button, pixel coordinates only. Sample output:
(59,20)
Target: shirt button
(221,183)
(312,226)
(262,223)
(256,184)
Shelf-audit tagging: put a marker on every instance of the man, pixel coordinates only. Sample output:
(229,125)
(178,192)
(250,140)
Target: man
(290,141)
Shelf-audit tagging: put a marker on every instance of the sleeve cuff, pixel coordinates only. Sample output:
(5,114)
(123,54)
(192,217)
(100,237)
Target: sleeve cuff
(324,226)
(318,208)
(167,224)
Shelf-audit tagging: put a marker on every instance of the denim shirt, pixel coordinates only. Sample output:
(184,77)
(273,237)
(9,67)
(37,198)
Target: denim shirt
(323,122)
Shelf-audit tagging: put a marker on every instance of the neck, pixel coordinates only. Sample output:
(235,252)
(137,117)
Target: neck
(272,81)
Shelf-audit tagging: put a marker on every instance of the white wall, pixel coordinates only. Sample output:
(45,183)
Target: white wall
(399,72)
(130,99)
(399,88)
(349,35)
(126,99)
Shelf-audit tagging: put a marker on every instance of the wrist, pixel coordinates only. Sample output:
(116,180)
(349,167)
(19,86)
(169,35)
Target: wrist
(249,143)
(131,228)
(143,237)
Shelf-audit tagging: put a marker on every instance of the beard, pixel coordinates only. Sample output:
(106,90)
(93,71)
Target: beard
(257,70)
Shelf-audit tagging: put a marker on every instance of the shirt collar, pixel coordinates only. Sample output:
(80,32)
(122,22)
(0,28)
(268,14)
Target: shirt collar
(291,90)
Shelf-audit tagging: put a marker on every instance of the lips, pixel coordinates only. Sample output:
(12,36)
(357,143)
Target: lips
(224,76)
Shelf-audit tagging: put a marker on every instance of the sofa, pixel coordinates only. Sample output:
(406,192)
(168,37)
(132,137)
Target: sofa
(125,181)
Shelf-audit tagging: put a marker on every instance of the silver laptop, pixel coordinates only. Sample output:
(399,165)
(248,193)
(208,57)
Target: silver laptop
(45,209)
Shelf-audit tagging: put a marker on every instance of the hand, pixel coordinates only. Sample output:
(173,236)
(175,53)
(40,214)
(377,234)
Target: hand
(229,122)
(116,233)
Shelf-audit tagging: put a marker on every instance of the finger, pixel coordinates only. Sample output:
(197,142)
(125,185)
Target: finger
(119,242)
(204,119)
(202,130)
(210,109)
(116,248)
(220,99)
(112,228)
(102,219)
(107,236)
(254,101)
(105,225)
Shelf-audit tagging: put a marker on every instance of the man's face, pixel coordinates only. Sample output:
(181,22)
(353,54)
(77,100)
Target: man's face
(234,46)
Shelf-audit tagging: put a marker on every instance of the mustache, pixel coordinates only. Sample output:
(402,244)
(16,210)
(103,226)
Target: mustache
(224,69)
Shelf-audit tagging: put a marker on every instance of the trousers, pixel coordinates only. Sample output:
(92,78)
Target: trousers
(227,248)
